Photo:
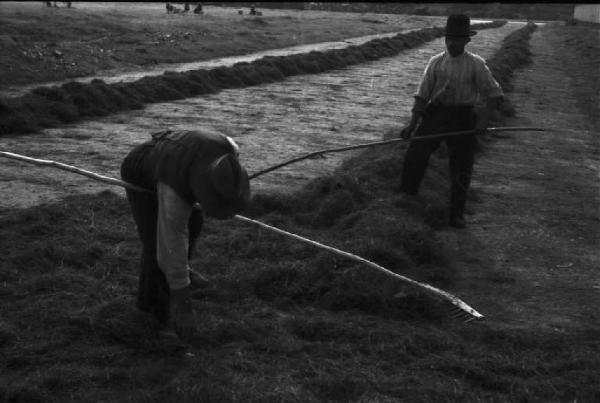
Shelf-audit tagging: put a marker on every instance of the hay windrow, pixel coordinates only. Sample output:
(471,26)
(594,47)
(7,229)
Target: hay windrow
(50,107)
(513,54)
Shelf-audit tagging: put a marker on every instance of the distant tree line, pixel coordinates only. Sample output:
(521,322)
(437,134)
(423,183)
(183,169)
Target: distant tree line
(522,11)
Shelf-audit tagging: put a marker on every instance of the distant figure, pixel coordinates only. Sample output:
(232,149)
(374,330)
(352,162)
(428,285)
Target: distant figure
(240,12)
(453,82)
(252,11)
(186,7)
(53,3)
(198,9)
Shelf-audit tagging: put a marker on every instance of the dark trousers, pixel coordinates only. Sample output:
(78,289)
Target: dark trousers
(461,152)
(153,289)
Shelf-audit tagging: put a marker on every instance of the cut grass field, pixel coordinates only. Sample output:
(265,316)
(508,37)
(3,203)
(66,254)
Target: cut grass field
(73,101)
(47,44)
(280,321)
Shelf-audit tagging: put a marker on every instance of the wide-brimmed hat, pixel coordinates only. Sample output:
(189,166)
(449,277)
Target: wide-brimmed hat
(223,190)
(459,25)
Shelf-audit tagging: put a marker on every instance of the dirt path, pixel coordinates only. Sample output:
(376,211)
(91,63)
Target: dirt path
(537,220)
(272,123)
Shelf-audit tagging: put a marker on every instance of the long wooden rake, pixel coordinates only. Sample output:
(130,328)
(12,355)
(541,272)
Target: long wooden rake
(461,310)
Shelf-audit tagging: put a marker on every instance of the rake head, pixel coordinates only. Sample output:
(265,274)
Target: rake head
(457,313)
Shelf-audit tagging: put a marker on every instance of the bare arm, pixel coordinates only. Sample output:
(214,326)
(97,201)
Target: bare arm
(418,110)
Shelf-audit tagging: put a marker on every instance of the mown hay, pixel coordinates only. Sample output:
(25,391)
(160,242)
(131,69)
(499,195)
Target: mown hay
(74,101)
(513,53)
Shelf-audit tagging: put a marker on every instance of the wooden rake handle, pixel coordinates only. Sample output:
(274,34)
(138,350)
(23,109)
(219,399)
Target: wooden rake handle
(380,143)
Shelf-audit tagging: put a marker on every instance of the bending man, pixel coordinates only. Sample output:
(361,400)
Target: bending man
(180,168)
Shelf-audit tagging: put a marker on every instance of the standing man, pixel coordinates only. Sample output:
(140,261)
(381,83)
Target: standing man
(454,81)
(179,168)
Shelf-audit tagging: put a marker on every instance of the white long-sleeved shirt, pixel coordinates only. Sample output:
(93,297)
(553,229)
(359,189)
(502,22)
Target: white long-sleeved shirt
(172,236)
(460,80)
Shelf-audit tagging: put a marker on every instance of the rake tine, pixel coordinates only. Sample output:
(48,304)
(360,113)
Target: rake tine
(460,316)
(477,320)
(457,312)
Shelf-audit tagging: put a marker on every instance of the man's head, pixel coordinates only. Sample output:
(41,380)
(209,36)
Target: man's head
(223,189)
(458,33)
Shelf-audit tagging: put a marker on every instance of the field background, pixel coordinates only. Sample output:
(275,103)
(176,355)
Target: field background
(522,11)
(97,36)
(282,321)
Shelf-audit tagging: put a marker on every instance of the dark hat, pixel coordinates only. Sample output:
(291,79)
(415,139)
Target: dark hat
(459,25)
(223,190)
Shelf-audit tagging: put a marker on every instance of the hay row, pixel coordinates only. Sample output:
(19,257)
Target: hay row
(513,53)
(53,106)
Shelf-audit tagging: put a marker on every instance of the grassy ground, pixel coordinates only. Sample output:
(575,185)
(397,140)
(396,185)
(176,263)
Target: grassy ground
(283,321)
